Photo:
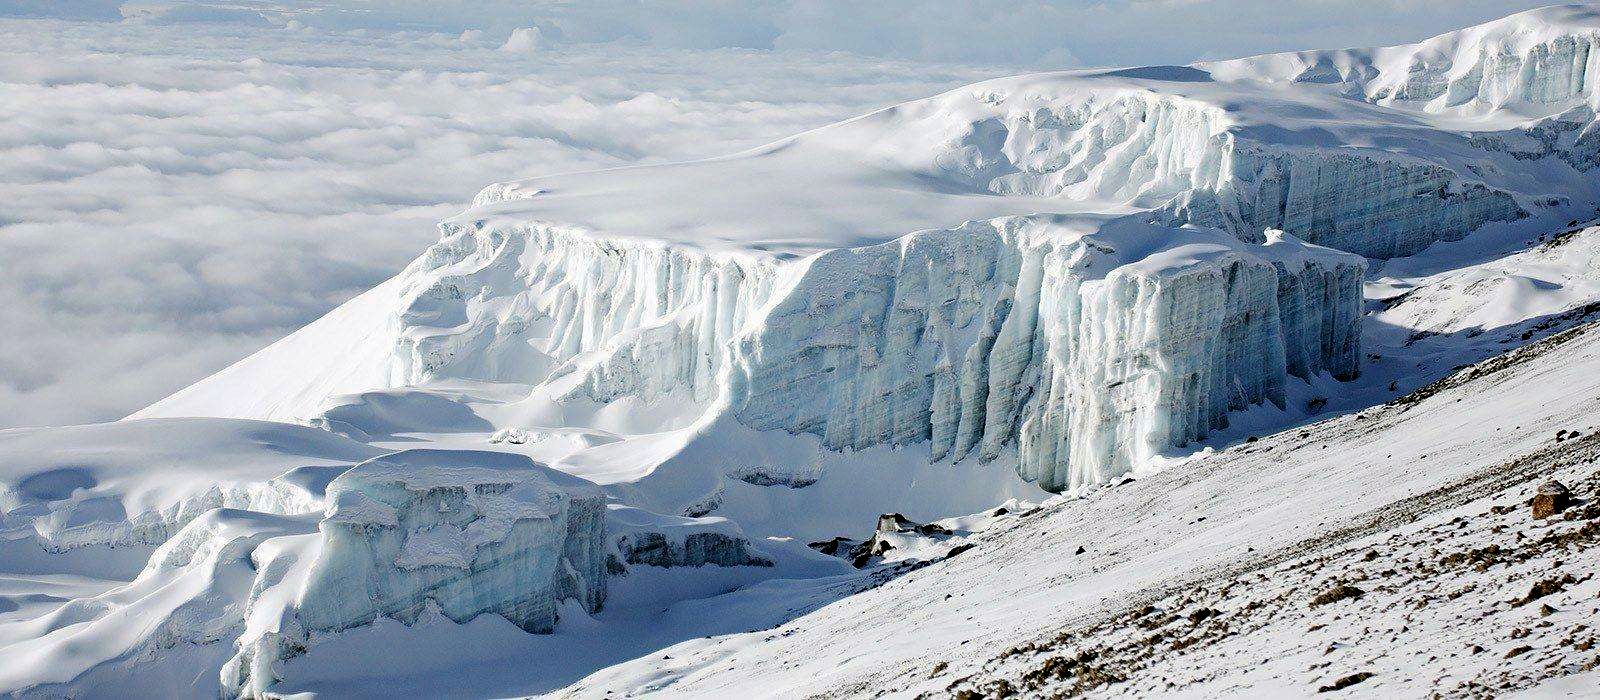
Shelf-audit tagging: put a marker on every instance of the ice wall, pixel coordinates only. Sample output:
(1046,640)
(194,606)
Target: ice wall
(462,532)
(1492,67)
(1373,205)
(1187,156)
(648,539)
(516,302)
(1546,56)
(1087,345)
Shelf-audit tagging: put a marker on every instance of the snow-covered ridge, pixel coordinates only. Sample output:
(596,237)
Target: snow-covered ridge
(1545,56)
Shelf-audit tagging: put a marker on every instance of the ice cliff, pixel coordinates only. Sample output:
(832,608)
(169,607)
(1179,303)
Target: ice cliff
(1089,346)
(461,532)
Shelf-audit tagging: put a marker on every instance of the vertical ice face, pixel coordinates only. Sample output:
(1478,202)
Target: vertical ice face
(1086,352)
(1191,158)
(1497,69)
(473,532)
(648,539)
(1113,145)
(518,302)
(1369,204)
(463,532)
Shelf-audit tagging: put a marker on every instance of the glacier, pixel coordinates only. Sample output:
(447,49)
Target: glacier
(1091,349)
(459,532)
(1070,273)
(608,397)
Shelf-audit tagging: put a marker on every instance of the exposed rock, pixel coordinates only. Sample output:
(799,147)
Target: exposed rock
(933,529)
(1546,587)
(1552,498)
(836,547)
(894,522)
(1340,592)
(1345,682)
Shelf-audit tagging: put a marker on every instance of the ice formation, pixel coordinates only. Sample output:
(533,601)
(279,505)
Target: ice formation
(462,532)
(1066,272)
(1042,281)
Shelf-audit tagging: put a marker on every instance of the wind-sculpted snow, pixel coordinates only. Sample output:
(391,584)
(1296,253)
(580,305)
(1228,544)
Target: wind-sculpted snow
(138,482)
(1088,346)
(190,596)
(461,532)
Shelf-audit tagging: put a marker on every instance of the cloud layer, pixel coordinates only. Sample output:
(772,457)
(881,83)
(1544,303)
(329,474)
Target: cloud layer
(1057,33)
(176,197)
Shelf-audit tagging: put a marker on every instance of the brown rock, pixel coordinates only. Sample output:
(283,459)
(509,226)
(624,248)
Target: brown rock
(1337,593)
(1552,498)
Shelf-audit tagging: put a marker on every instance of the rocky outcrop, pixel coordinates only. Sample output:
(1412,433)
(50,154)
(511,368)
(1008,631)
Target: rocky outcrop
(1552,498)
(641,538)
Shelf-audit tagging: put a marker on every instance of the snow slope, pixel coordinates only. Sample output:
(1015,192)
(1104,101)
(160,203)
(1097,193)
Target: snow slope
(1413,481)
(138,482)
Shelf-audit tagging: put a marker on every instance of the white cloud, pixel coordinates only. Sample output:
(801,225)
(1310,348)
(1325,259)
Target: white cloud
(523,40)
(177,196)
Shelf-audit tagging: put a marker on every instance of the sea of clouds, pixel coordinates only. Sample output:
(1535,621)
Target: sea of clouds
(181,183)
(174,197)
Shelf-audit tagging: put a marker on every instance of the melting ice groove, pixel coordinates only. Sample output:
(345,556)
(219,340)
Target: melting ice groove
(605,393)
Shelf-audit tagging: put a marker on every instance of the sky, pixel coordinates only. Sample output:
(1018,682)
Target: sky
(181,183)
